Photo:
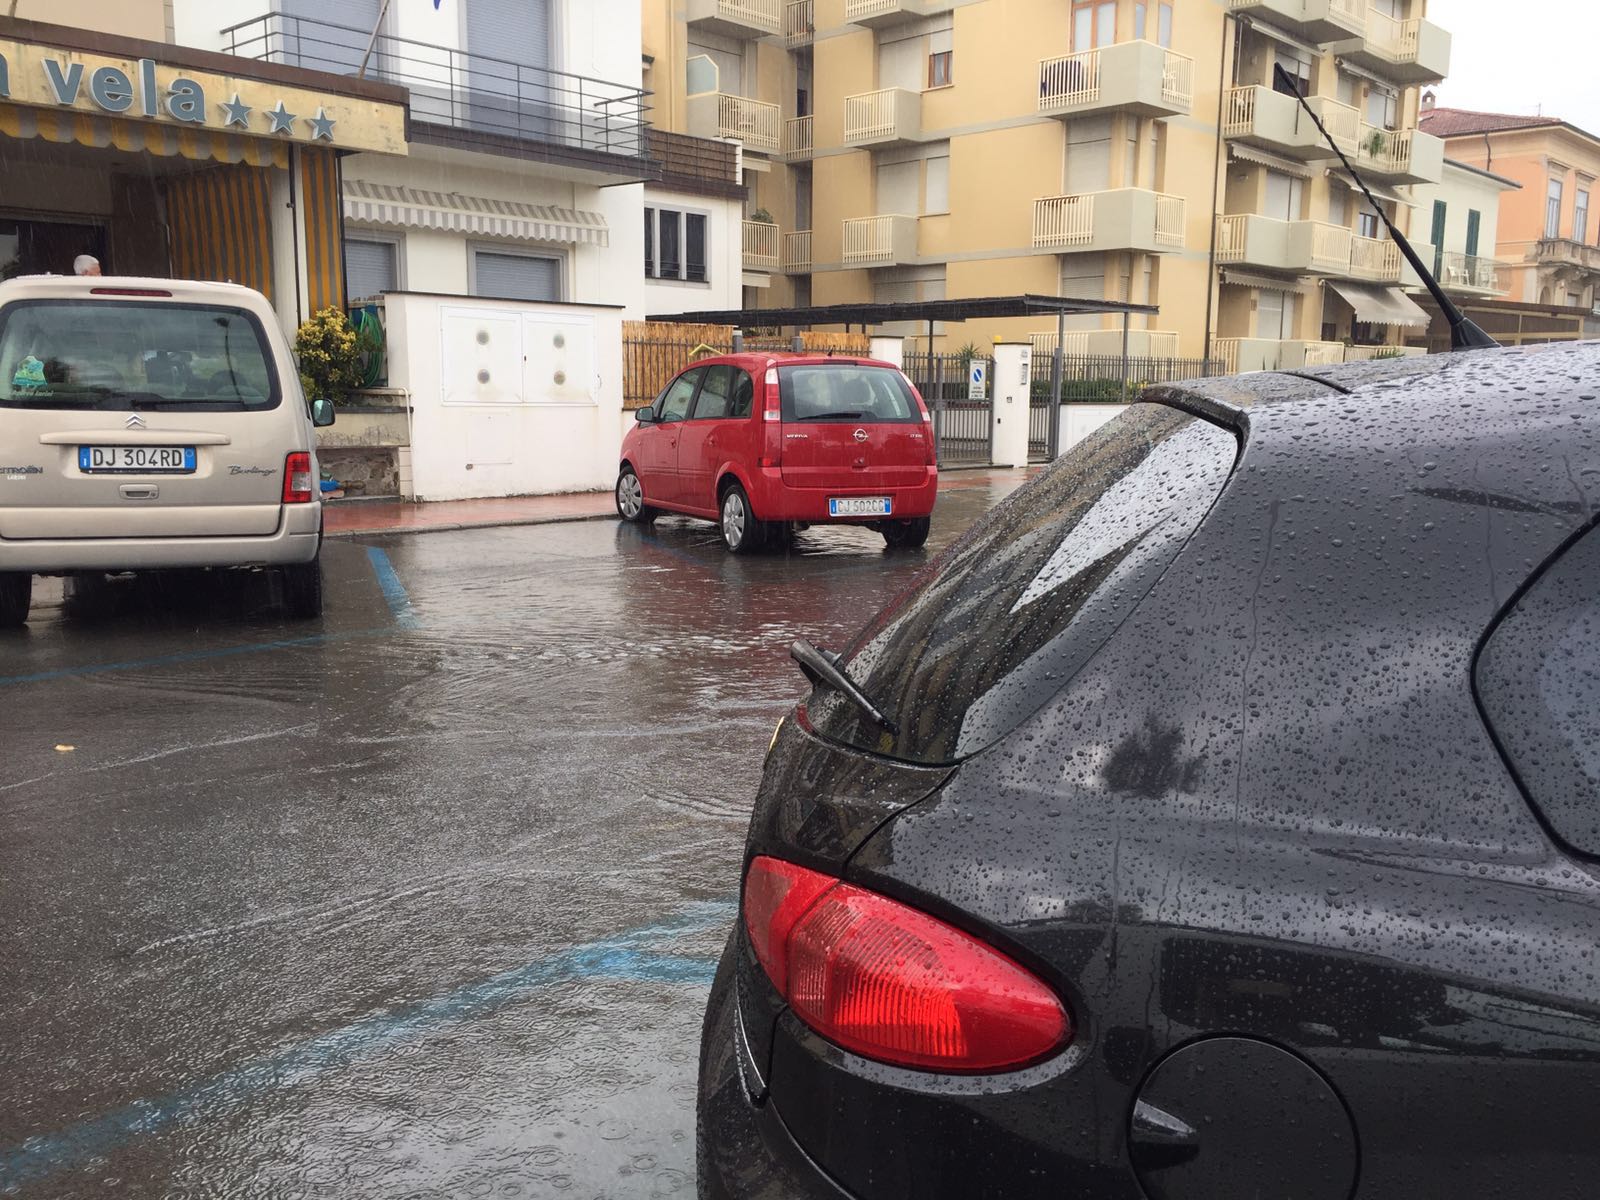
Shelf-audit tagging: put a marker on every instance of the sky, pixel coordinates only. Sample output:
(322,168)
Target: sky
(1523,56)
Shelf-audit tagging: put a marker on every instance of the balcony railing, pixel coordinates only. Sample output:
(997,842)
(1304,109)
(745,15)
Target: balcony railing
(887,115)
(798,133)
(1394,39)
(884,12)
(1323,354)
(1352,14)
(761,244)
(456,88)
(1330,246)
(880,241)
(1297,246)
(1274,354)
(797,252)
(755,123)
(1377,259)
(1385,150)
(1469,272)
(1566,252)
(1343,122)
(1124,218)
(1368,353)
(1406,51)
(1139,76)
(799,22)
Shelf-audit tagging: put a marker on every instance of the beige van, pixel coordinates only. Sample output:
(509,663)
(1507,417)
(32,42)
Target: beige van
(148,424)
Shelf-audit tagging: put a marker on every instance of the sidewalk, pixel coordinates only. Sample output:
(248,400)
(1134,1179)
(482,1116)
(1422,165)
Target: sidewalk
(373,518)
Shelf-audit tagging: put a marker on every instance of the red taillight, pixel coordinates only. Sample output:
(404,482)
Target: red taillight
(891,983)
(298,486)
(772,421)
(126,291)
(774,402)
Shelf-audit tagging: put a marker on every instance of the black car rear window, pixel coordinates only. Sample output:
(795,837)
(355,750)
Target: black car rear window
(1538,679)
(1007,616)
(824,392)
(118,355)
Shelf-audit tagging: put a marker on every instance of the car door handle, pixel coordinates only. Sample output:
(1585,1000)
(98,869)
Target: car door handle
(139,491)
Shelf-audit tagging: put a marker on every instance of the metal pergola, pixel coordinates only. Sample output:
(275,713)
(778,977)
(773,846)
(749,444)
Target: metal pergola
(932,311)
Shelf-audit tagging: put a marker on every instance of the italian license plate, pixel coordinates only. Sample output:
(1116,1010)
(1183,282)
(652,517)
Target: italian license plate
(859,506)
(140,460)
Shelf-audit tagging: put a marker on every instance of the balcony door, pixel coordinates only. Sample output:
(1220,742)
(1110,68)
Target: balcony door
(508,44)
(1276,313)
(1285,196)
(325,39)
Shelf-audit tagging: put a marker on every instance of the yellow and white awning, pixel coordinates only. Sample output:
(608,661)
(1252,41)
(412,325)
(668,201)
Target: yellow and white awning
(1381,305)
(403,207)
(164,140)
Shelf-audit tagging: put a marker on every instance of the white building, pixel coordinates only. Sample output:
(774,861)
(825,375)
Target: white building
(533,182)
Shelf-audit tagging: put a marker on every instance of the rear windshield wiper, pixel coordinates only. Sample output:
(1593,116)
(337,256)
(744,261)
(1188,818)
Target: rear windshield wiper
(843,416)
(823,670)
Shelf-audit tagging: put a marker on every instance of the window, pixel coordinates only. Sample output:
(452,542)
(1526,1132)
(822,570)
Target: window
(1276,314)
(507,275)
(1297,68)
(1552,210)
(1041,584)
(1474,221)
(1368,224)
(371,267)
(1163,24)
(1094,23)
(675,245)
(1538,678)
(1580,215)
(939,69)
(1383,108)
(673,403)
(1285,196)
(937,187)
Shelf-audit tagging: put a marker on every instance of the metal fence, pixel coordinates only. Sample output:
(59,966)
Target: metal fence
(963,429)
(1098,379)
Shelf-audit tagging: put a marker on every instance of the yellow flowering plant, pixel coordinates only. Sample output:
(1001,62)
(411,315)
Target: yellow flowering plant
(330,356)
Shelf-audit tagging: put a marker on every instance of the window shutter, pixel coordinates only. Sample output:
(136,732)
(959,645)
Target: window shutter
(1473,221)
(517,277)
(369,269)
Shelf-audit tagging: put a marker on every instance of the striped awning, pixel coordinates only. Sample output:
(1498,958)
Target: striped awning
(1268,283)
(150,137)
(1250,154)
(388,204)
(1381,305)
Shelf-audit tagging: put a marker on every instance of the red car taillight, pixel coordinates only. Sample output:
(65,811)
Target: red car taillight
(772,421)
(891,983)
(298,486)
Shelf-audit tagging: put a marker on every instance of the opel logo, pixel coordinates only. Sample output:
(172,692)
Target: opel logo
(861,435)
(134,421)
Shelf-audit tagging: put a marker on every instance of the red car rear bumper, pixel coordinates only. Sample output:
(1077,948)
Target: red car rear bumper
(774,500)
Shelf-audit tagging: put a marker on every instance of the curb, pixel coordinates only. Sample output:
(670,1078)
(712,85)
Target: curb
(457,526)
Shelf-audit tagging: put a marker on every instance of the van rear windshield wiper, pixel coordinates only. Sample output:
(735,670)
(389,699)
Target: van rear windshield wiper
(826,416)
(823,670)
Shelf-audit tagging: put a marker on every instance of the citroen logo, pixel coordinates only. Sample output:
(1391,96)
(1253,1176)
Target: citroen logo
(861,435)
(134,421)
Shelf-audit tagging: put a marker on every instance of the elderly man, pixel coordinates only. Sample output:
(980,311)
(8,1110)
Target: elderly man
(86,264)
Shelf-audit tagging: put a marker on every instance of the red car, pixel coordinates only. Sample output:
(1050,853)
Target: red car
(763,444)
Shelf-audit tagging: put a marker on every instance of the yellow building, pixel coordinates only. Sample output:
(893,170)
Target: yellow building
(1133,150)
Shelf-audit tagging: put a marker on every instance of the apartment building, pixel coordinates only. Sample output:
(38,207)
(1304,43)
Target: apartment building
(1548,232)
(1133,150)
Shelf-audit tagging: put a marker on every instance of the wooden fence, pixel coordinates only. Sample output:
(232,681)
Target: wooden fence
(654,351)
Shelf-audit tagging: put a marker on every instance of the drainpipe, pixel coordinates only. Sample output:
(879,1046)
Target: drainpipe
(1216,175)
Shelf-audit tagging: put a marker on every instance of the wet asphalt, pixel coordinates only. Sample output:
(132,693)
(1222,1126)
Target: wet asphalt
(422,899)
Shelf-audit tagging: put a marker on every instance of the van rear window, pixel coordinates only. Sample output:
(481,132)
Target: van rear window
(119,355)
(823,392)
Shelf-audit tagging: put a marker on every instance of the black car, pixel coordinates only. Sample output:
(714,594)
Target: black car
(1219,818)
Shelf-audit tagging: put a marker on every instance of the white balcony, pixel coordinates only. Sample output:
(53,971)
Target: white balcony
(799,22)
(877,14)
(1407,52)
(1272,354)
(1376,260)
(798,138)
(1368,353)
(743,19)
(1120,219)
(762,241)
(1132,77)
(1400,155)
(889,117)
(1472,275)
(883,241)
(1319,21)
(1295,247)
(1274,121)
(753,122)
(797,252)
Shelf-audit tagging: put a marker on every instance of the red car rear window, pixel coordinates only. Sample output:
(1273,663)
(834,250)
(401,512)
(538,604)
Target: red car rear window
(823,392)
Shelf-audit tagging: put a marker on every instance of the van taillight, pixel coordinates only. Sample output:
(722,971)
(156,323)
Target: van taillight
(774,402)
(298,485)
(772,421)
(891,983)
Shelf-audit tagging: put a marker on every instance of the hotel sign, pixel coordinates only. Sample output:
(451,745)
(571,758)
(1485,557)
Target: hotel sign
(146,90)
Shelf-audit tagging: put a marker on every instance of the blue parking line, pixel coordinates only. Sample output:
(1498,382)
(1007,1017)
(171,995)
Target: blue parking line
(394,592)
(635,956)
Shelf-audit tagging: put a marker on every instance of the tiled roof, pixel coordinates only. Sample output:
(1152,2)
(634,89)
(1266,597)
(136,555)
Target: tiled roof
(1452,122)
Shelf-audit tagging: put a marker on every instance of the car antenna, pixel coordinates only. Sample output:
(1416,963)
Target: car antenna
(1465,333)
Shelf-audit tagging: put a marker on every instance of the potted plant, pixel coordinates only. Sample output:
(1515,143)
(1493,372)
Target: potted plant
(762,217)
(1376,141)
(329,353)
